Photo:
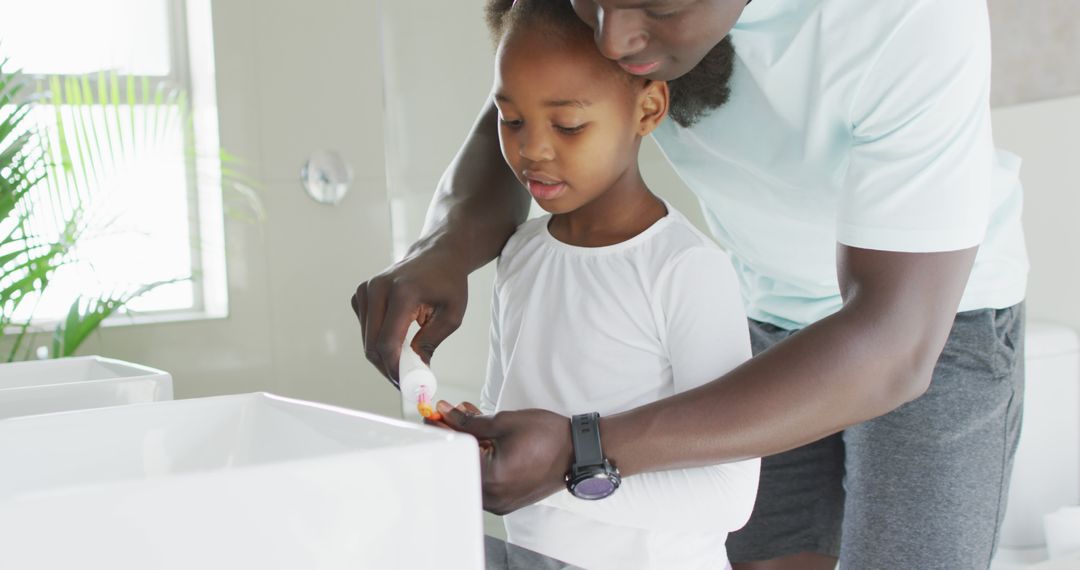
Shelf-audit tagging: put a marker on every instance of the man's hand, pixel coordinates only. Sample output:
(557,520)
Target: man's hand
(425,287)
(524,455)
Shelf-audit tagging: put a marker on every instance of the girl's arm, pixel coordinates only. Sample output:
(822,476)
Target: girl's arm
(704,328)
(716,498)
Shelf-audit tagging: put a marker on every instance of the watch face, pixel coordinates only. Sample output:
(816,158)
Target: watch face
(596,487)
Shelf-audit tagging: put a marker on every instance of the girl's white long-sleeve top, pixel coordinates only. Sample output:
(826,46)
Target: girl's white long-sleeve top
(608,329)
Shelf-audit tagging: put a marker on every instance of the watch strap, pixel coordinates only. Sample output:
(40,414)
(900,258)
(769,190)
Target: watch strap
(585,436)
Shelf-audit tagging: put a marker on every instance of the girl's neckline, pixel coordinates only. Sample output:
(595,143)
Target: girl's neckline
(642,236)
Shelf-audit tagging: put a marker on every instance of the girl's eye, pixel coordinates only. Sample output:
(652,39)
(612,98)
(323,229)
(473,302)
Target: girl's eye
(570,130)
(512,123)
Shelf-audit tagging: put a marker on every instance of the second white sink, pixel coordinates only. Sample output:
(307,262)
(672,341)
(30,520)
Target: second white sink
(63,384)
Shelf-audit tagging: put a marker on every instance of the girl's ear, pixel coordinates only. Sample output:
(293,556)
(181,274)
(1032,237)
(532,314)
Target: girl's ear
(653,104)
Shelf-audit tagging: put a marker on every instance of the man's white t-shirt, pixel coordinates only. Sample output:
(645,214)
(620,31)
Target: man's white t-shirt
(863,123)
(608,329)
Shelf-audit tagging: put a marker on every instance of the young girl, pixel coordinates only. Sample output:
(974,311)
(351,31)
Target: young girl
(614,300)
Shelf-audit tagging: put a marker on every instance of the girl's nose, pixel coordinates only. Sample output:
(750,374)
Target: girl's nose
(533,146)
(619,33)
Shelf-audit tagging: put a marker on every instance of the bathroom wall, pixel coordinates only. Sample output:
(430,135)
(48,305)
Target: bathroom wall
(1035,47)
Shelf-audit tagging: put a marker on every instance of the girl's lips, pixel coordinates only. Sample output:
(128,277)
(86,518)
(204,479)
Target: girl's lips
(640,69)
(545,190)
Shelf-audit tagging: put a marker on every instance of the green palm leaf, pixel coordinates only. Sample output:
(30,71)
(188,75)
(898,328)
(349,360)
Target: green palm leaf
(86,315)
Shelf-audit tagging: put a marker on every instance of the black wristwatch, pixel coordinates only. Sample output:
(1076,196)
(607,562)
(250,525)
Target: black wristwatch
(591,475)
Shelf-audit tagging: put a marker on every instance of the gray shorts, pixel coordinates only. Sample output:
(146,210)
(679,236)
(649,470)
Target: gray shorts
(923,486)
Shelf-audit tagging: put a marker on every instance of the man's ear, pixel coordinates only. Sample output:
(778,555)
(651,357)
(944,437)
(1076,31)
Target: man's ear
(653,104)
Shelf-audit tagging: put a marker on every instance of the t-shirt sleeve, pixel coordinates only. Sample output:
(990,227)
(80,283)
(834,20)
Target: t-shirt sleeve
(919,176)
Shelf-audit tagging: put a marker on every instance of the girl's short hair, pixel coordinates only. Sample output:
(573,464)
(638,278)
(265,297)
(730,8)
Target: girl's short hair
(693,95)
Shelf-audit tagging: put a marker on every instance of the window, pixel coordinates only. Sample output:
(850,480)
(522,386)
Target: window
(148,171)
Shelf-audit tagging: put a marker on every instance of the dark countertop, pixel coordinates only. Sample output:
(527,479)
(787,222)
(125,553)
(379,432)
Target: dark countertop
(501,555)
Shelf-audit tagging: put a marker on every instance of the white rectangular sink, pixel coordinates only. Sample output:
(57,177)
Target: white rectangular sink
(246,481)
(45,386)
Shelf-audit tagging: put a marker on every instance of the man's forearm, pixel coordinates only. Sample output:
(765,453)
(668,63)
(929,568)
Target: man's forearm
(811,385)
(875,354)
(478,203)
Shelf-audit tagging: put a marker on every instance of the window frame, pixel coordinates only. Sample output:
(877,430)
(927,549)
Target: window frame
(191,69)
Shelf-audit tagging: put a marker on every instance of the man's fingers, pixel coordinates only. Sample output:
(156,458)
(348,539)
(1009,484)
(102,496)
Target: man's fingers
(401,310)
(359,306)
(442,323)
(373,318)
(469,408)
(480,427)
